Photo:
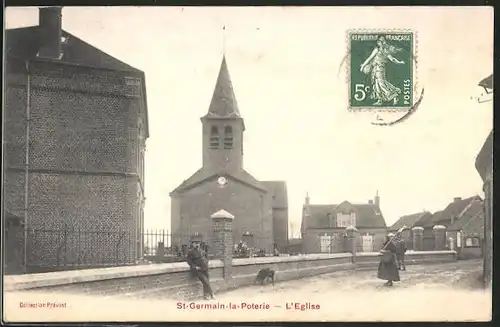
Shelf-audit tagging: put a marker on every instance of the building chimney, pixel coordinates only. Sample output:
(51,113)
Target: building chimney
(457,199)
(370,201)
(307,199)
(50,25)
(377,199)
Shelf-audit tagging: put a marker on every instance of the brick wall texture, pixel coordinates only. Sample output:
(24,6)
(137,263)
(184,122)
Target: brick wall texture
(84,160)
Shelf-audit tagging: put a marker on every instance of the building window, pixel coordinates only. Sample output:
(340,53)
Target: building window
(228,137)
(345,220)
(472,242)
(214,138)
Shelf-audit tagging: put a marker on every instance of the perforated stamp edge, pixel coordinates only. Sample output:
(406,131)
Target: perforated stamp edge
(414,77)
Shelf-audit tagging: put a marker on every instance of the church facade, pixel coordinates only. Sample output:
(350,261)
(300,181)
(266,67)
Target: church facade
(260,208)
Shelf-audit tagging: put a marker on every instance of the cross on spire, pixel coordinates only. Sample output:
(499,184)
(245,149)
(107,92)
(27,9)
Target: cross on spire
(224,40)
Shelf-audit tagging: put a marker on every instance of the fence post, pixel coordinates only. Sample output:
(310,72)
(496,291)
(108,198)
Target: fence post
(351,241)
(439,237)
(223,240)
(418,238)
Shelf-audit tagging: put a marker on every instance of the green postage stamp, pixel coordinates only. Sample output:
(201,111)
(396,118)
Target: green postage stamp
(381,70)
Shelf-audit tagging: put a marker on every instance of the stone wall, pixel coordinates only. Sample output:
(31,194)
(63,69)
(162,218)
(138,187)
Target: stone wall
(174,280)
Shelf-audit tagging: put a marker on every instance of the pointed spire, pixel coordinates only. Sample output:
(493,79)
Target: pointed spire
(223,100)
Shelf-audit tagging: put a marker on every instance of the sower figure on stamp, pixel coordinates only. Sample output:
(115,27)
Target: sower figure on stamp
(199,267)
(382,90)
(387,268)
(401,250)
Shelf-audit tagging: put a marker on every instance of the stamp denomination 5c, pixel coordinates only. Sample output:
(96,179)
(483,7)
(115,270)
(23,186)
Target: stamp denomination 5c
(381,70)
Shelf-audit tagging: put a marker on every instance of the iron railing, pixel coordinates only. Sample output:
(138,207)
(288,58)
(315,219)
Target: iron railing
(67,249)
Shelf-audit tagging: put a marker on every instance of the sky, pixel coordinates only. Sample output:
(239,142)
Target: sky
(285,65)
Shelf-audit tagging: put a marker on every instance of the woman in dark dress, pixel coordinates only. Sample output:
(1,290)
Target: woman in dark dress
(388,268)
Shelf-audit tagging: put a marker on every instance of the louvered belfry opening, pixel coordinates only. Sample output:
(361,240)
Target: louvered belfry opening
(228,137)
(214,137)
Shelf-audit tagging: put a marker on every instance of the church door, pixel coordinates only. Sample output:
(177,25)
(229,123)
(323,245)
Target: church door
(367,243)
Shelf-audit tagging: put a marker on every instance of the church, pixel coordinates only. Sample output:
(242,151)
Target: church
(260,208)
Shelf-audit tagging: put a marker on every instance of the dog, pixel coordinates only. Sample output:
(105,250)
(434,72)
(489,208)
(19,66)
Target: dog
(265,275)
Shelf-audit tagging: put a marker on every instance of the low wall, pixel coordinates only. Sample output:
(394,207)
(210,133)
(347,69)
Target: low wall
(174,280)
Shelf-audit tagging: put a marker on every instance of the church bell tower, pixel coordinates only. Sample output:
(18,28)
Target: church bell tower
(223,127)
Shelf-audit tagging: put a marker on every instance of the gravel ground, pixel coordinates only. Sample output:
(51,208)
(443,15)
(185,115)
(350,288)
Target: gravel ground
(447,292)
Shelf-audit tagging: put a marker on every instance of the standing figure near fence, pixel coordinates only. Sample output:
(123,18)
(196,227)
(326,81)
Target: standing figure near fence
(199,267)
(387,268)
(401,251)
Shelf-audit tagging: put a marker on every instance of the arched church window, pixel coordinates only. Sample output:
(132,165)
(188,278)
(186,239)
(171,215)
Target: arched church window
(214,138)
(228,137)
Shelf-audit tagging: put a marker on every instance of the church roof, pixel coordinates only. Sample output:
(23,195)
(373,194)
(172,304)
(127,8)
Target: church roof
(202,175)
(279,192)
(367,215)
(409,220)
(223,104)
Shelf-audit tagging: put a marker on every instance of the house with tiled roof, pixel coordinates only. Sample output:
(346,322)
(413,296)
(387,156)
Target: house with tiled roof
(323,226)
(467,231)
(260,208)
(409,221)
(446,217)
(84,115)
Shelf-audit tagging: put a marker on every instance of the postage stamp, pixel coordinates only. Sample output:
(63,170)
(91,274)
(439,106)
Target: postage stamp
(381,69)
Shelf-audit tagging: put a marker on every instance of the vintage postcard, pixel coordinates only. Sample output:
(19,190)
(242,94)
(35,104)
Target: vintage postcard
(247,164)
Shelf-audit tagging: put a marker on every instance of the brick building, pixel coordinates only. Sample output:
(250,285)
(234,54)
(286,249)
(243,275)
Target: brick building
(323,226)
(260,207)
(484,166)
(79,184)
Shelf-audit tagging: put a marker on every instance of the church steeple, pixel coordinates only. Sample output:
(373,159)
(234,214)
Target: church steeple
(223,127)
(224,104)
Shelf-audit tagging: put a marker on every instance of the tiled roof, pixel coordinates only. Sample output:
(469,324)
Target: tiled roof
(24,43)
(454,209)
(425,218)
(487,82)
(367,215)
(223,104)
(471,220)
(204,174)
(318,215)
(410,220)
(279,192)
(485,156)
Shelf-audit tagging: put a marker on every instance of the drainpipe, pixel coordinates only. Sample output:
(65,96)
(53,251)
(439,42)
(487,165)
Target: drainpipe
(26,162)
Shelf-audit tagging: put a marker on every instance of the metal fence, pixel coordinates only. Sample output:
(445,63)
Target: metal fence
(49,250)
(67,249)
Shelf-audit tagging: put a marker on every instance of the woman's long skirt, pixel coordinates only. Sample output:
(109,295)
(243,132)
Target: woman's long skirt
(388,271)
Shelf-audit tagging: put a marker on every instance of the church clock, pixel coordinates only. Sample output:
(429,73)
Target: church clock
(222,181)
